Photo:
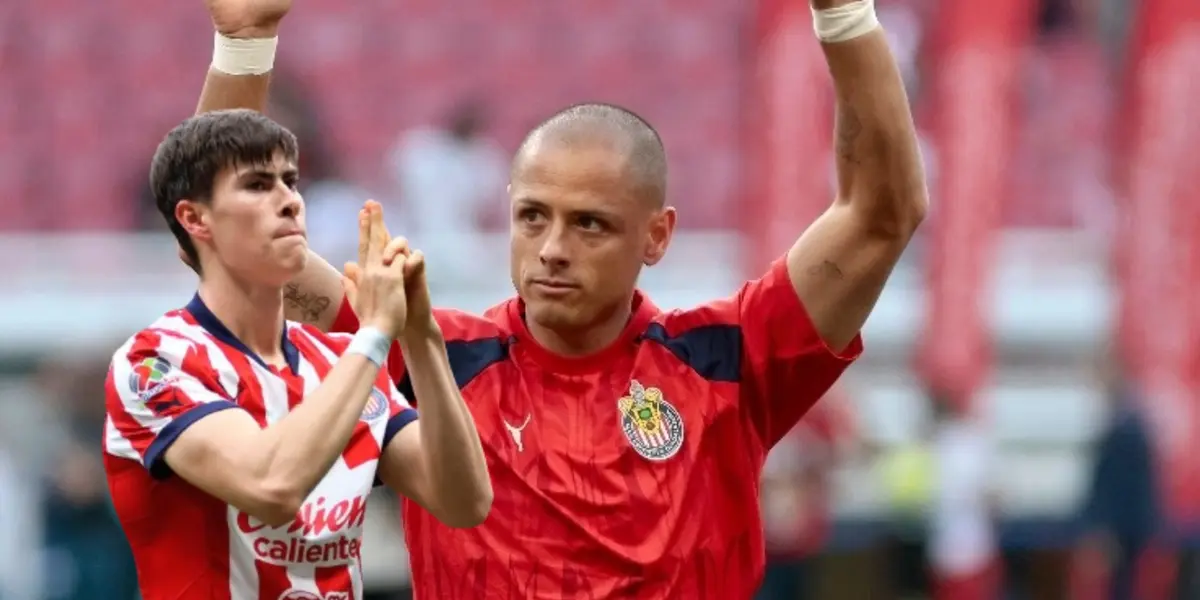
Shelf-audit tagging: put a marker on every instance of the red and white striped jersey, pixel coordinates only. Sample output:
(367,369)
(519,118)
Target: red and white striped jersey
(188,544)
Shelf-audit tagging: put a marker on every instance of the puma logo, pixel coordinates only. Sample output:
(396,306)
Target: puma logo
(515,432)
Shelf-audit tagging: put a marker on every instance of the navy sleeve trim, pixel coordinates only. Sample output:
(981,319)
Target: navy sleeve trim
(468,358)
(713,351)
(394,425)
(155,457)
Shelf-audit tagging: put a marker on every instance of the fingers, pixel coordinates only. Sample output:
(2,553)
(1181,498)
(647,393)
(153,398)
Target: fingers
(364,235)
(396,247)
(379,232)
(352,271)
(375,232)
(414,264)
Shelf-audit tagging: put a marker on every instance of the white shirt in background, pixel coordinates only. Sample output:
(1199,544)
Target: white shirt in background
(962,539)
(445,185)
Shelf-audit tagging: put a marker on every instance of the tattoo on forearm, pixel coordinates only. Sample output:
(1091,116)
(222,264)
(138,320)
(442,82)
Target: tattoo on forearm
(847,130)
(827,269)
(310,306)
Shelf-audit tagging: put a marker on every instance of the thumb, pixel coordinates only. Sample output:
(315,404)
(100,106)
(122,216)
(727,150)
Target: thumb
(414,266)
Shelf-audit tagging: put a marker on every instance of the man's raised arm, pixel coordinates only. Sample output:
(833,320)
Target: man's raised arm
(840,264)
(243,53)
(239,77)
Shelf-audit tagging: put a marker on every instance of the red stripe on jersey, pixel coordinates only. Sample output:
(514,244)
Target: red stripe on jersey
(295,387)
(362,447)
(196,361)
(139,437)
(250,392)
(334,579)
(273,580)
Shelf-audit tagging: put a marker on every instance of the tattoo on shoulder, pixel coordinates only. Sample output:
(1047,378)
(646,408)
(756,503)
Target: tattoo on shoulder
(826,268)
(310,306)
(847,129)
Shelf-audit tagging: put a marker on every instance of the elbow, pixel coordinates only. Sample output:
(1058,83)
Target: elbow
(275,505)
(471,513)
(897,216)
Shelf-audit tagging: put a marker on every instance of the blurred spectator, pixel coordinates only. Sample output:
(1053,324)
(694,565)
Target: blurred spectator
(796,491)
(907,470)
(1123,513)
(85,549)
(18,570)
(451,179)
(962,546)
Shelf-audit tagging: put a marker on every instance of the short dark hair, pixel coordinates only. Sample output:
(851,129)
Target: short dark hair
(186,163)
(647,154)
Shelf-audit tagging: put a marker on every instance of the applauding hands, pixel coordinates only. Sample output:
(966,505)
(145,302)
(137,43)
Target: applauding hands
(387,285)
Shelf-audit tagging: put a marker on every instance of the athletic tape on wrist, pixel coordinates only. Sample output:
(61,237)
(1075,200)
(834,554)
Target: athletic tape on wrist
(235,56)
(845,22)
(371,343)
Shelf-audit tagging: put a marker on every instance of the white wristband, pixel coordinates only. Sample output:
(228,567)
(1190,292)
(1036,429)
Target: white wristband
(371,343)
(845,22)
(234,56)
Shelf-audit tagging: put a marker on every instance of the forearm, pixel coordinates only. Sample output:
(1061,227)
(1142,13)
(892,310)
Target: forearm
(299,450)
(223,91)
(457,470)
(878,161)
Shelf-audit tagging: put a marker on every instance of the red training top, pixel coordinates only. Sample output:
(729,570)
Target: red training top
(631,473)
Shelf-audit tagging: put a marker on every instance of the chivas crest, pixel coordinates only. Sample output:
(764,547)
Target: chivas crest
(652,426)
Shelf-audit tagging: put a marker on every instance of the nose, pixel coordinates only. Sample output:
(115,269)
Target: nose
(292,204)
(553,252)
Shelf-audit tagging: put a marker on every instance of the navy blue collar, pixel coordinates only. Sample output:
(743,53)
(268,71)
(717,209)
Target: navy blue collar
(213,325)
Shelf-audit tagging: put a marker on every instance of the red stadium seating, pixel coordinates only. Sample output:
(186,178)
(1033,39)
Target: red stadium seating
(93,106)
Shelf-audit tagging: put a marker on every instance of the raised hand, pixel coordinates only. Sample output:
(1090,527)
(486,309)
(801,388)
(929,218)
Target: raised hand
(419,319)
(374,287)
(247,18)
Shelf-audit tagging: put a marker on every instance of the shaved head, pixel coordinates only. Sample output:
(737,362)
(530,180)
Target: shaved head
(608,126)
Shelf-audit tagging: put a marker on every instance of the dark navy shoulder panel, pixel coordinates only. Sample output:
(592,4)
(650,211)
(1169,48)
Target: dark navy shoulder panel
(468,358)
(712,351)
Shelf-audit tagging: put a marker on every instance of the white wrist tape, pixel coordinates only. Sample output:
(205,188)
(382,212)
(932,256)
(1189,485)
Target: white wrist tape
(845,22)
(371,343)
(235,56)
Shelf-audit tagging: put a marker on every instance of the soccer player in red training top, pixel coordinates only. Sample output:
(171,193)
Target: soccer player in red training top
(625,443)
(240,448)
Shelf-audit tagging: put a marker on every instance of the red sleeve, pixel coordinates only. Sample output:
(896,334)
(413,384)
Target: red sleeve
(786,366)
(763,339)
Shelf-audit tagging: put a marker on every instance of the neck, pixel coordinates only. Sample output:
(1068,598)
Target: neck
(253,314)
(585,341)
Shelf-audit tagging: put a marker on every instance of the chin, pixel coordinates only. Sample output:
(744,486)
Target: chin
(553,315)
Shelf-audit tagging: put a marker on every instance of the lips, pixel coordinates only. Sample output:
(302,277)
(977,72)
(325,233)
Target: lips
(554,284)
(289,232)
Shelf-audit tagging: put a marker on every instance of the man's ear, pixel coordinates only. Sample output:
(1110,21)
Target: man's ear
(194,217)
(662,227)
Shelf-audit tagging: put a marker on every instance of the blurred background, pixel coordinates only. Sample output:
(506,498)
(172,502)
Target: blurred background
(1021,426)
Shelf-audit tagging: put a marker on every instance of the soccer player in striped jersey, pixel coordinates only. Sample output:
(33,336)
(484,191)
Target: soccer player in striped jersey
(239,447)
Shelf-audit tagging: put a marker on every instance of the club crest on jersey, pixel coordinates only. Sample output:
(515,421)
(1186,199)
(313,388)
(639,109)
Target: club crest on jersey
(377,406)
(303,595)
(149,377)
(652,426)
